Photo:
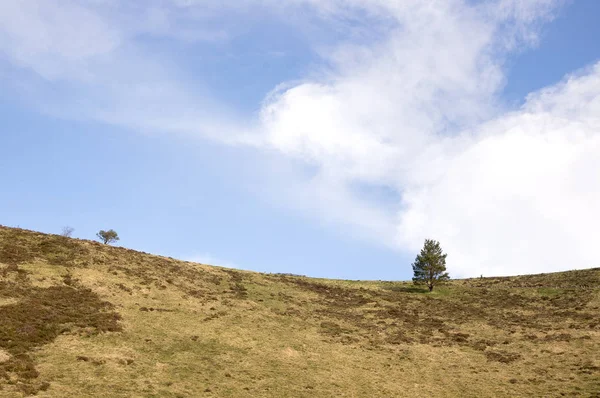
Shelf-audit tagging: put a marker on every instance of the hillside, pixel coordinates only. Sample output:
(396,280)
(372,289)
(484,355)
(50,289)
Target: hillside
(78,318)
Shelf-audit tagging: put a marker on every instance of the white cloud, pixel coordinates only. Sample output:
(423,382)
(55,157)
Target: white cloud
(520,197)
(407,101)
(505,192)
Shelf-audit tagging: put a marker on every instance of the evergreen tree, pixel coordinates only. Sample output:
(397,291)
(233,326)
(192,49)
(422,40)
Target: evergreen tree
(430,265)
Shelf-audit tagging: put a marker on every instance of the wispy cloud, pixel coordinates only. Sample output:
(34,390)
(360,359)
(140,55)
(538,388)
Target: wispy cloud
(412,107)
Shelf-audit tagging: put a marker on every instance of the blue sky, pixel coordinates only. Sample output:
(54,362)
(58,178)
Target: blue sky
(319,138)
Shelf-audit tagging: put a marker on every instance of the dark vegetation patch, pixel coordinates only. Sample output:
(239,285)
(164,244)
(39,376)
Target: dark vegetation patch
(406,289)
(332,329)
(482,344)
(152,309)
(391,316)
(17,247)
(124,288)
(39,316)
(533,309)
(161,273)
(589,368)
(42,314)
(558,337)
(576,279)
(60,250)
(333,295)
(215,315)
(239,290)
(93,361)
(502,356)
(399,337)
(283,297)
(236,284)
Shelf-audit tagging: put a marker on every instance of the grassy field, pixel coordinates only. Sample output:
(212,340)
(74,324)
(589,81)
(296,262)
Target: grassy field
(78,318)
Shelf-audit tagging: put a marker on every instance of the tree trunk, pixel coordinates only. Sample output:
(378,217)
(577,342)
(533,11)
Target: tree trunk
(430,288)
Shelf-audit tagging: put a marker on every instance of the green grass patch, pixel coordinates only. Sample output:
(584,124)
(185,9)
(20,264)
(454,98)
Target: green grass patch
(549,292)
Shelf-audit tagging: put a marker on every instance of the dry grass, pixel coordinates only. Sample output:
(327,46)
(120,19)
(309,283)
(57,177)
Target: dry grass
(84,319)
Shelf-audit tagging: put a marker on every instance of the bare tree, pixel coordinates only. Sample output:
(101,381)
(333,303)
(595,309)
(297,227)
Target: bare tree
(67,231)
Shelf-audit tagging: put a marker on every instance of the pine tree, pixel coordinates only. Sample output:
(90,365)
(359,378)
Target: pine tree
(430,265)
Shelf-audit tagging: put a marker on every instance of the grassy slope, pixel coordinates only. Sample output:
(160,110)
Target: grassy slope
(78,318)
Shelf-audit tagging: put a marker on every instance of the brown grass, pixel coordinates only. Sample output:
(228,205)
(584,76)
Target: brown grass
(84,319)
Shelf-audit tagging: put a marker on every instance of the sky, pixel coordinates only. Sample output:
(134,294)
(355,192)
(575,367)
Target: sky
(324,138)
